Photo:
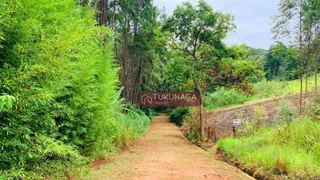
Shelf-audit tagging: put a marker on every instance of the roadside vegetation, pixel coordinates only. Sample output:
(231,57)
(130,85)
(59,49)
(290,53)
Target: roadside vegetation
(291,150)
(223,97)
(60,104)
(290,147)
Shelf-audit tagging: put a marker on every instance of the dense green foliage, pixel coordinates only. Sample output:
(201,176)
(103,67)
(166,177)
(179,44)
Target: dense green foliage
(287,150)
(177,114)
(59,96)
(281,63)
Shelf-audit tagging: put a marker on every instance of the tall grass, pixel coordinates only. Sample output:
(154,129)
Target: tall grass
(266,89)
(223,98)
(292,150)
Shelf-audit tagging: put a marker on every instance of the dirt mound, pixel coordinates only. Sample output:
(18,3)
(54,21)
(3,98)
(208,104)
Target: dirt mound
(219,122)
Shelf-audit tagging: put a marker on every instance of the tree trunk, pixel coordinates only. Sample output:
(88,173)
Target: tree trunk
(129,60)
(201,112)
(103,12)
(316,67)
(132,70)
(139,81)
(124,63)
(306,85)
(316,62)
(316,75)
(301,61)
(95,4)
(131,85)
(202,120)
(113,14)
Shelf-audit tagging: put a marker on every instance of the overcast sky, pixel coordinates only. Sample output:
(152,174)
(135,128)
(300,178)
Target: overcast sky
(252,18)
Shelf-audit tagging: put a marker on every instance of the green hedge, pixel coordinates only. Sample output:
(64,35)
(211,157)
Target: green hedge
(58,89)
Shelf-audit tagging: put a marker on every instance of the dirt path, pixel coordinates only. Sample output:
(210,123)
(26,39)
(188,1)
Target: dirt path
(162,153)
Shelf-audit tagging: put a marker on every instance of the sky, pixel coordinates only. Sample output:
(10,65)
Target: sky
(252,18)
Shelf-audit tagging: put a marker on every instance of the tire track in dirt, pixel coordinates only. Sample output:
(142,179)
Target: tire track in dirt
(162,153)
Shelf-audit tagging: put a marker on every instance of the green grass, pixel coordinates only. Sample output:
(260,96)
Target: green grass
(292,150)
(224,98)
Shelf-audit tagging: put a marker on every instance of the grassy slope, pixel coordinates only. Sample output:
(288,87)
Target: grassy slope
(292,150)
(225,98)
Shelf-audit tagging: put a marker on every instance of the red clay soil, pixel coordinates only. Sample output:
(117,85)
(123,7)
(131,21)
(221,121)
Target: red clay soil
(163,153)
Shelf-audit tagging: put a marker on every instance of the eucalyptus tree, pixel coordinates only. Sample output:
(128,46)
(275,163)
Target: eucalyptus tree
(298,21)
(197,33)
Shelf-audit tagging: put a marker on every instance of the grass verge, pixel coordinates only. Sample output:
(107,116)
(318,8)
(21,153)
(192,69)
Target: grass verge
(291,151)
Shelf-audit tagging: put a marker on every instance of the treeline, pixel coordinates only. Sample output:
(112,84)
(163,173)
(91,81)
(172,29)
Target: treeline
(138,46)
(60,104)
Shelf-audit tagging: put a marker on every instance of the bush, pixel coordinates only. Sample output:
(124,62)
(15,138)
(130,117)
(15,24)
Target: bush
(285,113)
(193,126)
(314,108)
(176,115)
(251,126)
(259,118)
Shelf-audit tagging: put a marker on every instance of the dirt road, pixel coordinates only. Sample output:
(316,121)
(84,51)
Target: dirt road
(163,153)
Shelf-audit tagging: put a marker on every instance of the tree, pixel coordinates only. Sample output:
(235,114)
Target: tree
(298,20)
(281,62)
(197,33)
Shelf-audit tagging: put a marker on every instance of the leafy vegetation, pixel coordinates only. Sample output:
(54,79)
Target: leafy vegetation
(291,150)
(177,114)
(196,34)
(223,98)
(59,102)
(265,89)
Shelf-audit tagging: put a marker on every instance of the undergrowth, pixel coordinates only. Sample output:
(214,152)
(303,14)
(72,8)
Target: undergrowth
(176,115)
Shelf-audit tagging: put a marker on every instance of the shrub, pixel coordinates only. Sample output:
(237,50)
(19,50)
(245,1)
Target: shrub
(191,125)
(193,129)
(177,114)
(314,110)
(223,97)
(251,126)
(259,118)
(247,127)
(285,113)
